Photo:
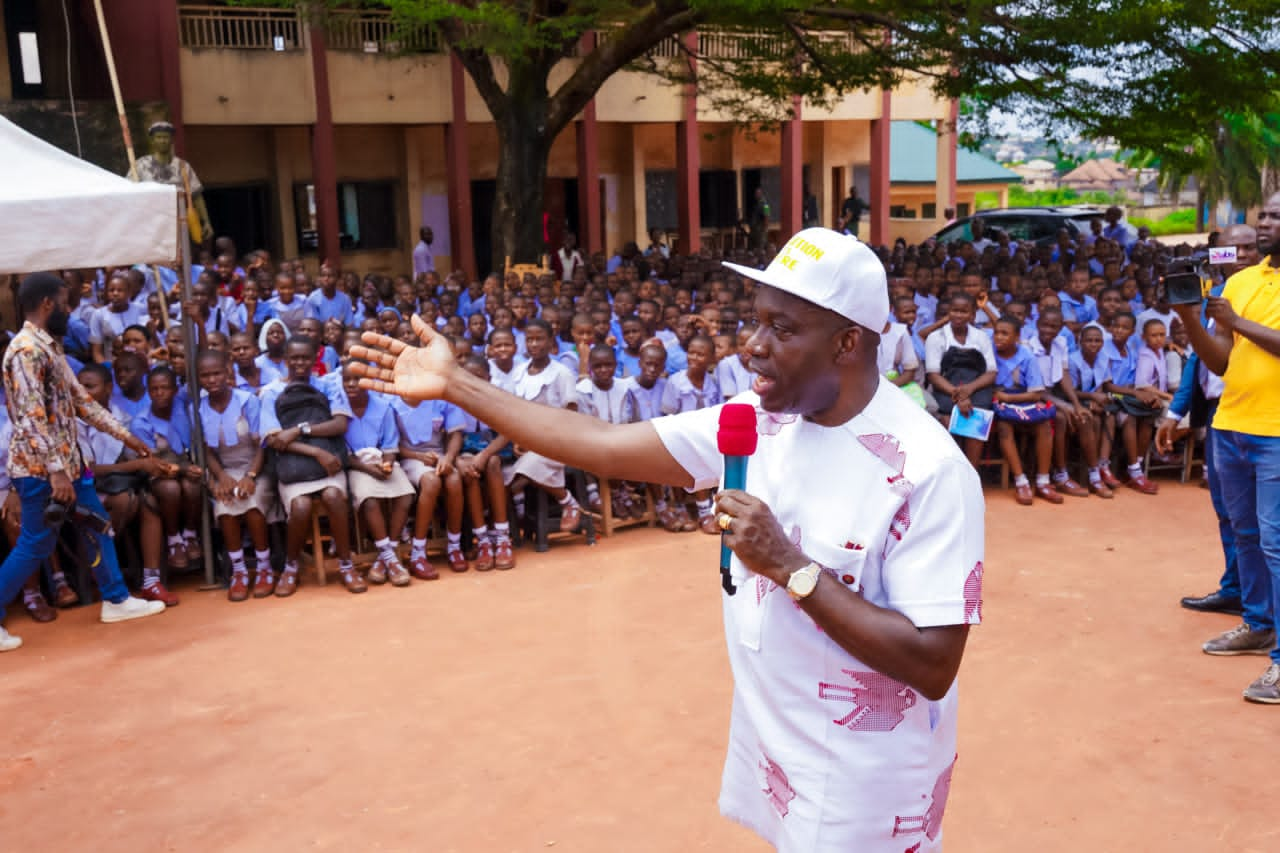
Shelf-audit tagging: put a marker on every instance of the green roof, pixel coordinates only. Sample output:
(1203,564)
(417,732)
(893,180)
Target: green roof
(913,159)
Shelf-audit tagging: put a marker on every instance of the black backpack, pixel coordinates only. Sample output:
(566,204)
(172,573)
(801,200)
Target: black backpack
(299,404)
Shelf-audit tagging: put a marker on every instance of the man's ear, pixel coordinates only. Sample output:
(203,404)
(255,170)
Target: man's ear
(849,341)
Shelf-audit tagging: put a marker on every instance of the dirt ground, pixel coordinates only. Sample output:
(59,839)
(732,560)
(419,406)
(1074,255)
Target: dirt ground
(580,703)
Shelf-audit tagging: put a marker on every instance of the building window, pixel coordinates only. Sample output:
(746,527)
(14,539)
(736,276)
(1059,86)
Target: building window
(366,215)
(718,198)
(660,199)
(901,211)
(929,211)
(962,209)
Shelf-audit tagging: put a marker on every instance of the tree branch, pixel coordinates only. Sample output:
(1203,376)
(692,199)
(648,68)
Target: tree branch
(478,66)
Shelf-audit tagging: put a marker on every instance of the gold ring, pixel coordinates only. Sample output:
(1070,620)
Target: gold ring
(723,520)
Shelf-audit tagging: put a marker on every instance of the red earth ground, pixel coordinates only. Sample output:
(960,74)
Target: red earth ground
(580,703)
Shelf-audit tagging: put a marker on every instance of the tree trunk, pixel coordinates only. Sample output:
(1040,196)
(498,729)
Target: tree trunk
(524,145)
(1200,203)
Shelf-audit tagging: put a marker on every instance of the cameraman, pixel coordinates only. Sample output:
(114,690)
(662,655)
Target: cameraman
(1198,393)
(1244,350)
(44,400)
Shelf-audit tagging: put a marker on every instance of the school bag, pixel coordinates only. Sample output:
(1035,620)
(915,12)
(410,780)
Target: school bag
(298,404)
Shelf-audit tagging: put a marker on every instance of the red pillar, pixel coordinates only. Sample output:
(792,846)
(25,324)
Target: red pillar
(953,119)
(324,166)
(688,164)
(464,250)
(880,171)
(792,173)
(590,236)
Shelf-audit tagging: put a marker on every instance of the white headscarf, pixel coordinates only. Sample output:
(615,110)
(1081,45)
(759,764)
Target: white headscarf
(262,334)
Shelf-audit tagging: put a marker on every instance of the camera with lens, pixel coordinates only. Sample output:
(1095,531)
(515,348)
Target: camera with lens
(1184,278)
(55,514)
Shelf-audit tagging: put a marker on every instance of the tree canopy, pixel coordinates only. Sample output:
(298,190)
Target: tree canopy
(1150,74)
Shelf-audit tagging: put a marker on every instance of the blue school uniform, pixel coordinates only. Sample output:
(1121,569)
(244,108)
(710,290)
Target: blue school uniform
(1123,368)
(643,404)
(682,396)
(1087,377)
(270,370)
(628,364)
(325,308)
(270,393)
(1019,372)
(376,428)
(160,434)
(129,408)
(1082,310)
(424,426)
(223,429)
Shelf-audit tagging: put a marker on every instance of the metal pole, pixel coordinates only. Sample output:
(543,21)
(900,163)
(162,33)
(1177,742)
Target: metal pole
(115,89)
(193,387)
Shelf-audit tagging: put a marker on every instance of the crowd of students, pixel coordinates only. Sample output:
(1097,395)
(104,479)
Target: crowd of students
(1071,344)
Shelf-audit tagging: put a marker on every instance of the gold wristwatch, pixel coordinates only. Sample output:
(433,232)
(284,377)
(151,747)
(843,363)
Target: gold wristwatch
(804,581)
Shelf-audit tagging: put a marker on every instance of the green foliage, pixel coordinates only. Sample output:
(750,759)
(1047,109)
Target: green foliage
(1178,222)
(1061,197)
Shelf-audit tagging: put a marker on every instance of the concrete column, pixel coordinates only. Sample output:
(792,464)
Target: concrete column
(880,171)
(945,186)
(459,169)
(792,173)
(324,166)
(590,237)
(688,164)
(639,212)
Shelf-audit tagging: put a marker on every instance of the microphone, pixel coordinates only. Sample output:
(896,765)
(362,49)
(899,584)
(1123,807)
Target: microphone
(737,440)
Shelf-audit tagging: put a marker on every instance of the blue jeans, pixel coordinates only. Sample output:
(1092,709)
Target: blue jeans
(1248,468)
(1229,585)
(36,541)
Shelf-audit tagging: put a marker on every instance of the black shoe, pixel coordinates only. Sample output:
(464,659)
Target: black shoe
(1214,602)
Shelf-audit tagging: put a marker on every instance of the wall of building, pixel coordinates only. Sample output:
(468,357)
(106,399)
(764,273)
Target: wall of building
(231,87)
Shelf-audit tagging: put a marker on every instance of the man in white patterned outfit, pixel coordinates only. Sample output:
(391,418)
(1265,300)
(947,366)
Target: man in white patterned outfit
(858,554)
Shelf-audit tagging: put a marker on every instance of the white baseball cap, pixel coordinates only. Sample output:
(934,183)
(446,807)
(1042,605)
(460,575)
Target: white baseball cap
(832,270)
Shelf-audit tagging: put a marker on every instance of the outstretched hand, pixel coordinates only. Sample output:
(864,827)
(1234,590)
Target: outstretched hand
(390,366)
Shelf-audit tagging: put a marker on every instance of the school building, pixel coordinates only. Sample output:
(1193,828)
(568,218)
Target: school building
(269,105)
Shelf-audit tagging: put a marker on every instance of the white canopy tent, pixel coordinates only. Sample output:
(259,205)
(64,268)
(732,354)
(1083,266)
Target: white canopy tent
(60,212)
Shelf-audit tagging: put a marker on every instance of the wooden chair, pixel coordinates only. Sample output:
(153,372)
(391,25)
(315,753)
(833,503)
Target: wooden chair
(316,557)
(1189,459)
(520,269)
(544,524)
(610,523)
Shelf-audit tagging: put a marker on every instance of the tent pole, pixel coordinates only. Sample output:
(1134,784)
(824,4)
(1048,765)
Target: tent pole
(193,391)
(115,88)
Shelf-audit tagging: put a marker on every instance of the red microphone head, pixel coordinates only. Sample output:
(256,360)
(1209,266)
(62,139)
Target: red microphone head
(737,435)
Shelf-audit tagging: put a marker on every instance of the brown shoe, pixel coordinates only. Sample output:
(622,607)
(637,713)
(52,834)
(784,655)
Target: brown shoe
(707,524)
(504,557)
(1109,479)
(421,568)
(378,572)
(1241,640)
(484,556)
(397,573)
(157,592)
(264,583)
(195,553)
(1070,487)
(38,609)
(670,520)
(1048,493)
(1141,484)
(457,560)
(570,518)
(288,583)
(352,579)
(687,524)
(1101,490)
(238,589)
(177,556)
(1022,494)
(64,596)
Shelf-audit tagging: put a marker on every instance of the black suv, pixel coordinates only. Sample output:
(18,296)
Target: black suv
(1037,225)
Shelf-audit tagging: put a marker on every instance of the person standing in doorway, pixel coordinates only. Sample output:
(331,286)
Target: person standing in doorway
(424,260)
(851,213)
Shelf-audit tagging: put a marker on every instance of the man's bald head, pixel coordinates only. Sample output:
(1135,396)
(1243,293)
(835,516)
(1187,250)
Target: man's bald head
(1245,240)
(1269,225)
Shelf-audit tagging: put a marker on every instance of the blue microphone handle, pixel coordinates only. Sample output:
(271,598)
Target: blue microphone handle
(735,477)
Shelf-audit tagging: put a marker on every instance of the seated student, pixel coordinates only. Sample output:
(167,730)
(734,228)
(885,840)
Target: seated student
(542,380)
(896,359)
(480,467)
(304,427)
(389,320)
(230,418)
(430,441)
(333,331)
(733,374)
(1090,372)
(217,342)
(246,375)
(137,338)
(905,311)
(370,303)
(602,396)
(577,356)
(156,323)
(252,311)
(960,364)
(1020,406)
(327,302)
(206,317)
(461,347)
(502,358)
(407,335)
(1078,307)
(1122,365)
(110,321)
(1150,375)
(677,353)
(130,394)
(326,357)
(271,343)
(1072,415)
(688,390)
(166,430)
(286,306)
(374,476)
(628,348)
(478,330)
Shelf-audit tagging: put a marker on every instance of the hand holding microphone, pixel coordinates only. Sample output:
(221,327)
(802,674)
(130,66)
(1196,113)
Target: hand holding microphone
(736,439)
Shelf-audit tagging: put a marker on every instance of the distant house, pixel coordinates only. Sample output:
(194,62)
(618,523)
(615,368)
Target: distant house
(1104,175)
(913,173)
(1037,174)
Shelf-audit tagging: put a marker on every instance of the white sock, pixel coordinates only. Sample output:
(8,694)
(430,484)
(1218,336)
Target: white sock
(263,559)
(502,531)
(344,565)
(175,539)
(290,567)
(1021,480)
(237,563)
(481,534)
(188,534)
(150,577)
(386,550)
(593,492)
(568,501)
(30,595)
(1061,476)
(1042,480)
(1135,470)
(419,548)
(660,506)
(1095,477)
(455,540)
(518,500)
(704,508)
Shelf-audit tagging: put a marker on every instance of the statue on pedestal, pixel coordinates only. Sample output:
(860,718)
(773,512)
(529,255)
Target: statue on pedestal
(162,166)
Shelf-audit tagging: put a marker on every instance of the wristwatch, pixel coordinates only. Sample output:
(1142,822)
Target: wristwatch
(804,581)
(304,428)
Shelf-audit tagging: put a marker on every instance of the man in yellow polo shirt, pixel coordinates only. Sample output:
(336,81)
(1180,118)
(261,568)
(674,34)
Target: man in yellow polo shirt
(1244,349)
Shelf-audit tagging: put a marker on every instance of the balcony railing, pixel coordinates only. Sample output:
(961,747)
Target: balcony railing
(239,28)
(374,31)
